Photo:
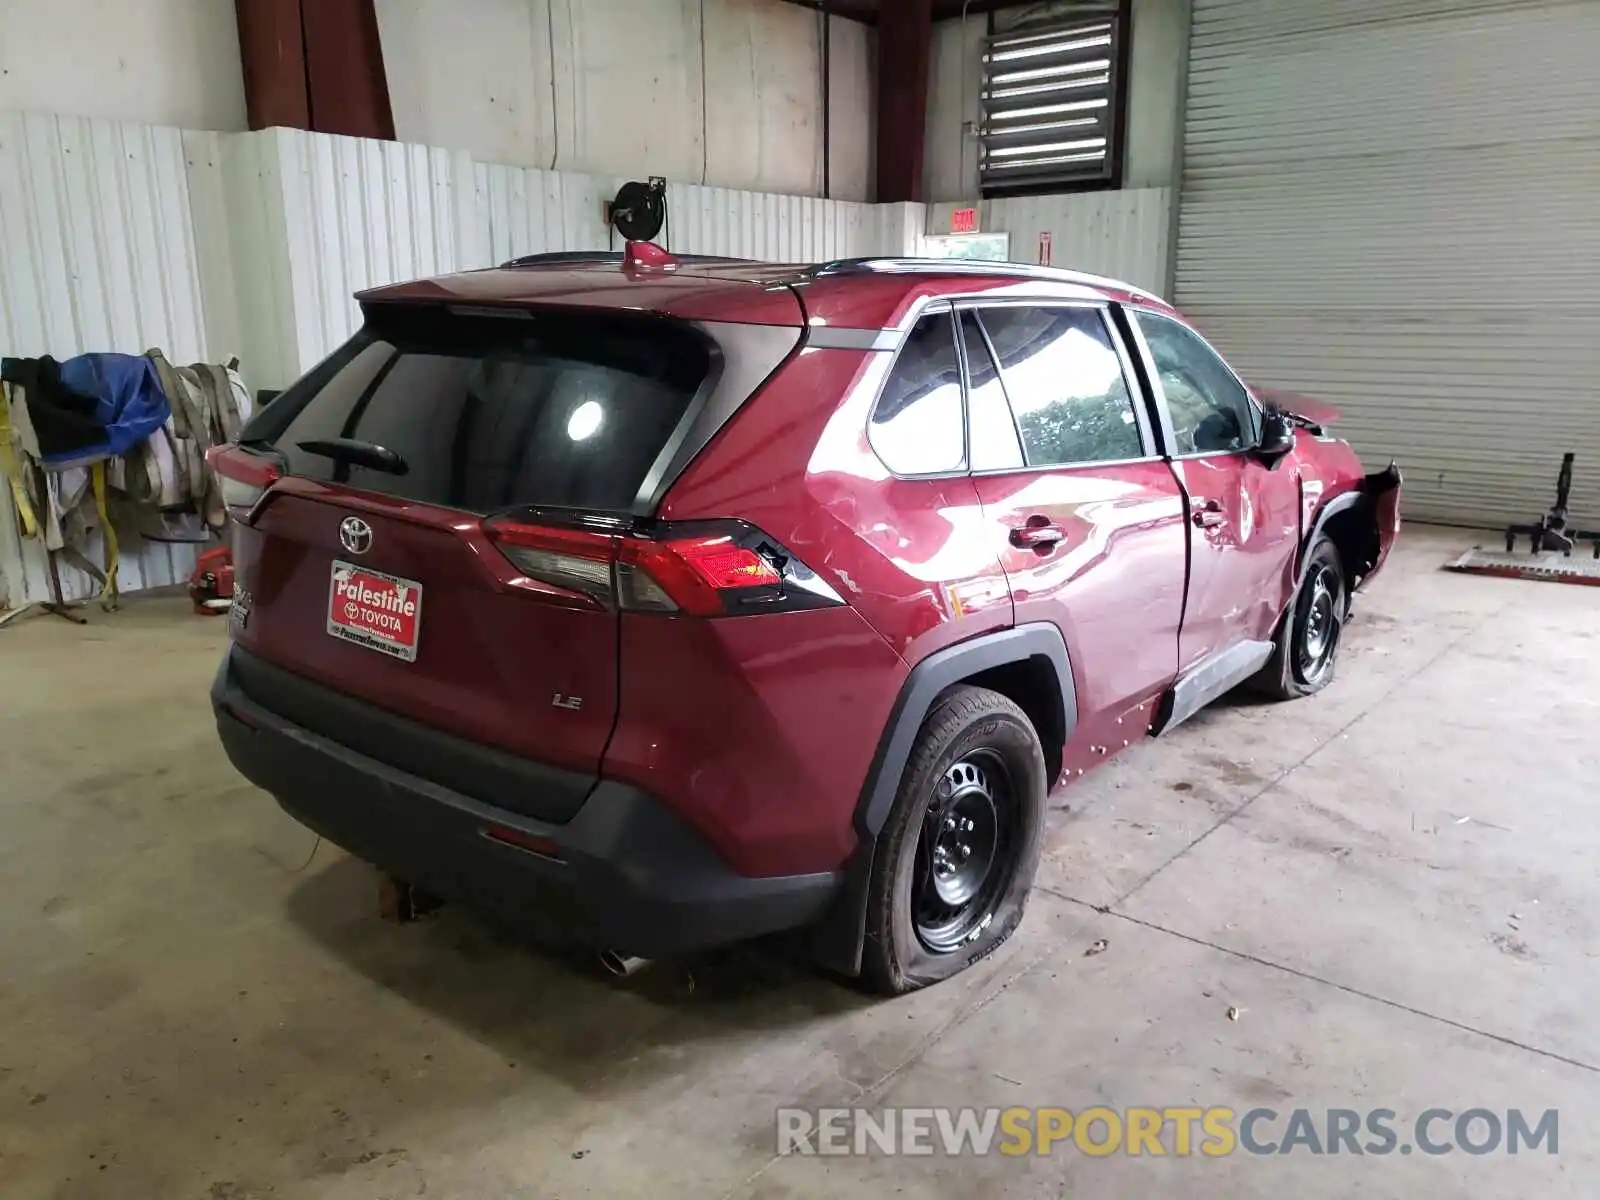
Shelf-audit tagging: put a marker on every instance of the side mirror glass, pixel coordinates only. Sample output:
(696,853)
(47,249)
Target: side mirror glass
(1277,435)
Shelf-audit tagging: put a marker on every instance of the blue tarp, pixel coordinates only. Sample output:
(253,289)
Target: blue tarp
(131,403)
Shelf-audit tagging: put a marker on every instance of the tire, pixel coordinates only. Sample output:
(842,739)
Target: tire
(1307,646)
(977,756)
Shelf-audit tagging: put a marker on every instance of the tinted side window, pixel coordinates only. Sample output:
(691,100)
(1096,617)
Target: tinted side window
(1065,383)
(916,426)
(993,432)
(1210,409)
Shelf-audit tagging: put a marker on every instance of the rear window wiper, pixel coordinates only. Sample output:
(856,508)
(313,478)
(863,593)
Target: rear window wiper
(358,453)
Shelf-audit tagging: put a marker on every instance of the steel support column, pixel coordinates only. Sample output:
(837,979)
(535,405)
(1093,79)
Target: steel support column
(905,34)
(314,64)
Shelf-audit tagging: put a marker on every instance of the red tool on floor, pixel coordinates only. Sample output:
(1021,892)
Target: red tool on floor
(211,585)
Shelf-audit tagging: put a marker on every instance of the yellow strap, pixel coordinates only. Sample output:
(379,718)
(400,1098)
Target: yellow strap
(13,470)
(108,593)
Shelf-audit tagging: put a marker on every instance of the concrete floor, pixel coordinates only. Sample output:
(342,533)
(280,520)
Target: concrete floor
(1393,882)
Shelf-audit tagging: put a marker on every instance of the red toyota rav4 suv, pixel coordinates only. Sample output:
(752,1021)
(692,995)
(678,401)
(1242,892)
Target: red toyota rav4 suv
(672,602)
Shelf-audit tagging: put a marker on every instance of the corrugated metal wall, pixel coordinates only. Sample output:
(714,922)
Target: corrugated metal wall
(98,250)
(1395,205)
(360,213)
(1121,233)
(122,237)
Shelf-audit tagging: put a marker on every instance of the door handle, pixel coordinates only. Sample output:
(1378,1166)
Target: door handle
(1207,514)
(1038,533)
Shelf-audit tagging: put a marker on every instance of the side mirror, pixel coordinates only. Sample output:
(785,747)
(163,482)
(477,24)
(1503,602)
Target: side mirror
(1277,435)
(266,396)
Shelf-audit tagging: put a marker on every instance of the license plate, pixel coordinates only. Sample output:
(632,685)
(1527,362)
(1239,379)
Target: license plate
(378,611)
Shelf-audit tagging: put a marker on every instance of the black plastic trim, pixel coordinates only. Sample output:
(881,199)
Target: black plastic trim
(839,938)
(1329,510)
(939,671)
(628,873)
(1144,370)
(1373,486)
(482,772)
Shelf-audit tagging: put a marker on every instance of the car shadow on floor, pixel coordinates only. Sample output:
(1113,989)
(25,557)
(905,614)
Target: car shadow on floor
(557,1009)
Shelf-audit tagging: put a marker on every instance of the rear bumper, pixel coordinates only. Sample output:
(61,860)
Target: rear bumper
(627,874)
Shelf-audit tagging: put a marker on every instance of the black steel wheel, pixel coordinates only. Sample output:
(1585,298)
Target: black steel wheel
(956,859)
(964,854)
(1307,644)
(1319,618)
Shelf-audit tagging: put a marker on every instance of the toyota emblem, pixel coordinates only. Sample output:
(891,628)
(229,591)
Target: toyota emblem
(355,535)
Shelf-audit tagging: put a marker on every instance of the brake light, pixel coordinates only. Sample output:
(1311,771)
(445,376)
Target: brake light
(723,565)
(728,570)
(689,574)
(244,476)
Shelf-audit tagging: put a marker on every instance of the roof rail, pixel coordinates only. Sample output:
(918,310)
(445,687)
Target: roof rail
(564,257)
(973,266)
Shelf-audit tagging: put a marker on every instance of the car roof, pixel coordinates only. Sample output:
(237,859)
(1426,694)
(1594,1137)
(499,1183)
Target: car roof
(861,293)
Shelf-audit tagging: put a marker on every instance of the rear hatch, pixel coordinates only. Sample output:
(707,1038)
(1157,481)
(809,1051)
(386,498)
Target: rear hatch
(401,516)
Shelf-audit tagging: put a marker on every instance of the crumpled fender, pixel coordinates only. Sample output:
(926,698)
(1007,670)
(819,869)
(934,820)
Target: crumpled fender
(1318,412)
(1377,497)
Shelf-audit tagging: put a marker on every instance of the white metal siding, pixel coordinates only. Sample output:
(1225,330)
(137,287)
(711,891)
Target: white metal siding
(359,213)
(97,252)
(1121,232)
(1395,205)
(122,237)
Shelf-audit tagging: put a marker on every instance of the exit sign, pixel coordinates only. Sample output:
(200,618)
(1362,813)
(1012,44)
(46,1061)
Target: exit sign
(964,220)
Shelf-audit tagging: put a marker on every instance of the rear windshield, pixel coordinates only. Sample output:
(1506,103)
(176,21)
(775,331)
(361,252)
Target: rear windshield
(491,412)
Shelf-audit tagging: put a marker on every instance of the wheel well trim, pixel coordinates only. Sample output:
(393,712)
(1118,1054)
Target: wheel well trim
(841,934)
(1366,495)
(934,675)
(1339,504)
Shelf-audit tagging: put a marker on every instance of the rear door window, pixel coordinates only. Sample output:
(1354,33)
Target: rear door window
(1064,379)
(487,413)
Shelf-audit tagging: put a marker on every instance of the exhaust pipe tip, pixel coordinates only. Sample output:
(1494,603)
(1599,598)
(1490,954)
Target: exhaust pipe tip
(621,965)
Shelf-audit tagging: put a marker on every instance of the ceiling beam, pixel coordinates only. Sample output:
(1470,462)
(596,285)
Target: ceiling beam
(314,64)
(949,10)
(344,64)
(865,11)
(272,53)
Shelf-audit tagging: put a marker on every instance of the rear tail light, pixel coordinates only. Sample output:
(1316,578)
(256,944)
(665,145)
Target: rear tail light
(575,560)
(690,574)
(244,475)
(725,569)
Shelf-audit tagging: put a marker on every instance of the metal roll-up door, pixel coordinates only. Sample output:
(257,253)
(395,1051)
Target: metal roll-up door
(1394,205)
